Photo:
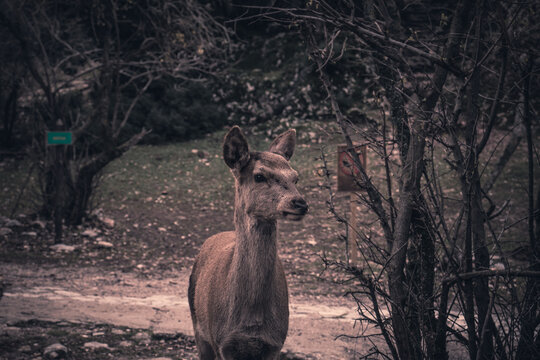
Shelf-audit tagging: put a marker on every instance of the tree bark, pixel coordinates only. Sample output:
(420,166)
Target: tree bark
(527,346)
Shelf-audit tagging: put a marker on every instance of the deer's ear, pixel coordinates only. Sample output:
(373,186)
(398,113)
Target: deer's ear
(284,144)
(235,149)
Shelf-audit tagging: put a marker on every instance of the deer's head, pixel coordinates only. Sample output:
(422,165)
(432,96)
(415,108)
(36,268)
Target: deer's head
(265,181)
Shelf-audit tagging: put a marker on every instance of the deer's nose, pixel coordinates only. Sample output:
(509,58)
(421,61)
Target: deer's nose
(300,205)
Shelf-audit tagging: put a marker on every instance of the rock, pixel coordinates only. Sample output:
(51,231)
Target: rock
(311,240)
(55,351)
(12,223)
(104,244)
(30,233)
(108,222)
(39,223)
(125,343)
(92,233)
(63,247)
(5,231)
(142,337)
(94,345)
(11,331)
(25,349)
(162,229)
(497,266)
(118,331)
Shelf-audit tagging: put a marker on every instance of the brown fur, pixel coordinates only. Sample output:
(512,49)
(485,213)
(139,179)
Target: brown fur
(237,291)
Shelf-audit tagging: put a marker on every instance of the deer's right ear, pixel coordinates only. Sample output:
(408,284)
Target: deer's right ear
(235,149)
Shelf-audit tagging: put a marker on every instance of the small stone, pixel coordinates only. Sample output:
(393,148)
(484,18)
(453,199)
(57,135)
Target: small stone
(90,233)
(62,247)
(30,233)
(39,223)
(497,266)
(108,222)
(140,266)
(55,351)
(11,331)
(142,337)
(12,223)
(311,240)
(125,343)
(25,349)
(104,244)
(98,333)
(5,231)
(94,345)
(118,331)
(162,229)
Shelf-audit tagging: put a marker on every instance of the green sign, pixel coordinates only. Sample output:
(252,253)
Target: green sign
(59,138)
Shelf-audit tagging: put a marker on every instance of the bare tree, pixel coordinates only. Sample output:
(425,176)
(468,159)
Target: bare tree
(447,73)
(90,63)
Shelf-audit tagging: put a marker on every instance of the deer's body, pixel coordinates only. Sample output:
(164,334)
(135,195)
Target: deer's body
(238,292)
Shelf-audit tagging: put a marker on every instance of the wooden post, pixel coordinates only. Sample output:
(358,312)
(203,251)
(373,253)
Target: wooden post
(353,236)
(347,172)
(58,138)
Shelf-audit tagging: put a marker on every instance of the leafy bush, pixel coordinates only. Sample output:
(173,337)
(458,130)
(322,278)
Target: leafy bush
(177,112)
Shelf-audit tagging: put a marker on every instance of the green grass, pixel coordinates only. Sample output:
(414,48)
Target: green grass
(151,188)
(172,179)
(176,169)
(148,171)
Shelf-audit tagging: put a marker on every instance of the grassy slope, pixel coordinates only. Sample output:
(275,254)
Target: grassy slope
(166,201)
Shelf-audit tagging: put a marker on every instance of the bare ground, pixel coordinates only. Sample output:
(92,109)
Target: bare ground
(159,306)
(131,277)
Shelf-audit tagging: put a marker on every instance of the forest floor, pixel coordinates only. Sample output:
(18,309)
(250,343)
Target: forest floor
(116,285)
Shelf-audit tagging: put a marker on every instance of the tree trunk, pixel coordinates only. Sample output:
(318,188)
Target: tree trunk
(408,346)
(81,194)
(527,346)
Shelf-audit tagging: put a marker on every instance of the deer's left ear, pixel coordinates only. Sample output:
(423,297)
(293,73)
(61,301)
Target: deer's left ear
(284,144)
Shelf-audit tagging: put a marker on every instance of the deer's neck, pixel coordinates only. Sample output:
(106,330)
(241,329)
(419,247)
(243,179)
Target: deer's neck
(253,265)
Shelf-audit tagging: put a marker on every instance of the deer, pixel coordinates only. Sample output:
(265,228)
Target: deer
(237,293)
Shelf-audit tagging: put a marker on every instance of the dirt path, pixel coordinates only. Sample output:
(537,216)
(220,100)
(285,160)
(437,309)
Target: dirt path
(160,304)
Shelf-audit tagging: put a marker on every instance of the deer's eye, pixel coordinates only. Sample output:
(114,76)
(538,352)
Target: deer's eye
(259,178)
(296,181)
